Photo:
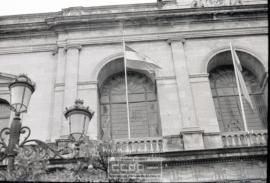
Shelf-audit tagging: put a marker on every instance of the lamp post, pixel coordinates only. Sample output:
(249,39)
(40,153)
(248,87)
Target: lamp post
(78,117)
(21,90)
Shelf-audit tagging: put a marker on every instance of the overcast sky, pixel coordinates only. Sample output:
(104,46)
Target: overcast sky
(13,7)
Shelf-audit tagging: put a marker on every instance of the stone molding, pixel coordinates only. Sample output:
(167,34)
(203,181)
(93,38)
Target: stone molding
(165,78)
(176,39)
(59,87)
(29,49)
(216,155)
(199,75)
(50,25)
(73,46)
(198,78)
(169,36)
(87,85)
(87,82)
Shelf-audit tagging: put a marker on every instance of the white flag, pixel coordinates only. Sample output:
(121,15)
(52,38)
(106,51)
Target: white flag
(238,68)
(136,60)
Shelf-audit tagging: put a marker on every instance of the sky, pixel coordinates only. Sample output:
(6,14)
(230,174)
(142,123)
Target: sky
(13,7)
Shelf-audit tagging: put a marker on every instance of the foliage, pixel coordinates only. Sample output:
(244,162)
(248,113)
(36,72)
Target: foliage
(105,150)
(91,166)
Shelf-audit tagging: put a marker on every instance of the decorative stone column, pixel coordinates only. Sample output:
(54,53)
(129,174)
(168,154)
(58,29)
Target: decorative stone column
(192,135)
(71,79)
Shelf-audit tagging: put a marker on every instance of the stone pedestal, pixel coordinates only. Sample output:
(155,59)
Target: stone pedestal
(192,138)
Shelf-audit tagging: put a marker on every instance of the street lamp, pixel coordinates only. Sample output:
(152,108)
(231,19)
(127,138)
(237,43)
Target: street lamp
(21,90)
(78,117)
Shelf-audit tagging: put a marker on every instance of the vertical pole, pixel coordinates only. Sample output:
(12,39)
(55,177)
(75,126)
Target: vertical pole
(14,138)
(239,91)
(126,84)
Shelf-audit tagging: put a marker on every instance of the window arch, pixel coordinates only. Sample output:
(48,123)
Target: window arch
(143,107)
(225,94)
(4,114)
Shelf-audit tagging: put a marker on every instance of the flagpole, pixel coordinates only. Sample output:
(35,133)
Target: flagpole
(126,83)
(239,91)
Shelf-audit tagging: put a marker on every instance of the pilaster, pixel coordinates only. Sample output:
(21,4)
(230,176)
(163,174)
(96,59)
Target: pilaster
(183,85)
(71,79)
(192,135)
(57,114)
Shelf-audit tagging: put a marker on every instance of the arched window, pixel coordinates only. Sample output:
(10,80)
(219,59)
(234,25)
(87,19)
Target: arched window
(4,114)
(226,98)
(143,107)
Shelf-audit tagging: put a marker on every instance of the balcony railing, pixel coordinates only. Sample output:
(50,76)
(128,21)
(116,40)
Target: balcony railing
(238,139)
(176,143)
(149,145)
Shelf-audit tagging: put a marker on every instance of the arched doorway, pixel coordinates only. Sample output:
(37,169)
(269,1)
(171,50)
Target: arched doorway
(225,93)
(143,107)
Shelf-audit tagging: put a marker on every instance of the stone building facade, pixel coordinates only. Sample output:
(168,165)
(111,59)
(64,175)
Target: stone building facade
(189,107)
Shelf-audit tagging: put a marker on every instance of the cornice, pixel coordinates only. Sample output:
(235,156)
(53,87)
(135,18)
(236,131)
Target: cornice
(171,36)
(206,155)
(158,17)
(29,49)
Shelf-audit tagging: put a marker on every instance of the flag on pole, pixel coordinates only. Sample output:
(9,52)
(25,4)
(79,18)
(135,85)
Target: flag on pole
(139,61)
(238,68)
(134,60)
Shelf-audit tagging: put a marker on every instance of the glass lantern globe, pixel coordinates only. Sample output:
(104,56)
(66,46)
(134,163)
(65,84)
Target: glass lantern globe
(21,90)
(78,117)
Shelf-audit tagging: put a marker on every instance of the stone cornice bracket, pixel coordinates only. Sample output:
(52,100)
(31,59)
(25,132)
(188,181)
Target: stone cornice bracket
(180,39)
(79,47)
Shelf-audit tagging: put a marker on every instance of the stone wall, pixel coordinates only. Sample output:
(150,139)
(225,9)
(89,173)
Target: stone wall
(65,59)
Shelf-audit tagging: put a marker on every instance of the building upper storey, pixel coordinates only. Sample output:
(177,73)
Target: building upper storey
(118,12)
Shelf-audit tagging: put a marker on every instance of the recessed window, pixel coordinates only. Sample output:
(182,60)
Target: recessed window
(227,104)
(143,107)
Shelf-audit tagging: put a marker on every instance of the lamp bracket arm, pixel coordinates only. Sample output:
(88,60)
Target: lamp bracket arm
(26,130)
(3,153)
(43,145)
(6,132)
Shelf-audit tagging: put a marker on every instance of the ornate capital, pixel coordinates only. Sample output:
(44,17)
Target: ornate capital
(79,47)
(176,39)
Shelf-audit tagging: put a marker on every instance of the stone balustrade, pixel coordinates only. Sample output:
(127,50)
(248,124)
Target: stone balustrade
(176,143)
(149,144)
(140,145)
(238,139)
